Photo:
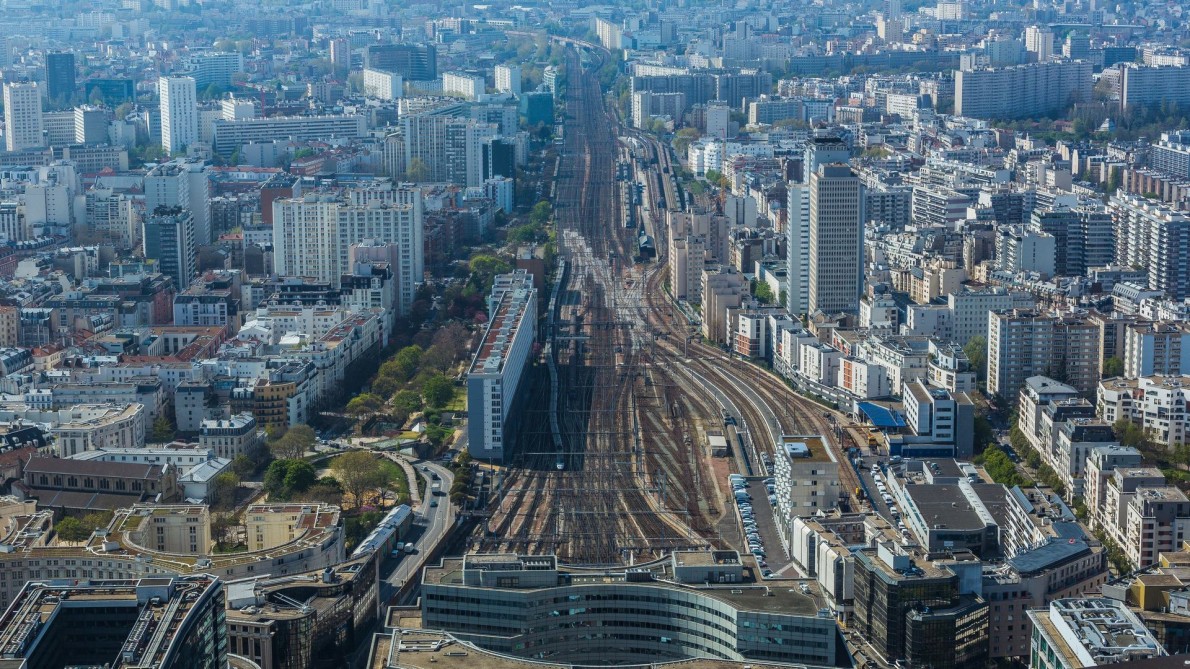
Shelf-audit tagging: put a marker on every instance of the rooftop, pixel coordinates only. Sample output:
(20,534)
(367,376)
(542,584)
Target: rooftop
(809,448)
(1095,631)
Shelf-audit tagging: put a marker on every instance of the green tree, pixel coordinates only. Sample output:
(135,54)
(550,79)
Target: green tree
(295,443)
(484,269)
(976,351)
(417,171)
(222,491)
(71,529)
(1131,434)
(163,430)
(540,214)
(359,474)
(406,362)
(407,401)
(762,292)
(437,391)
(1113,367)
(300,477)
(364,404)
(97,520)
(243,466)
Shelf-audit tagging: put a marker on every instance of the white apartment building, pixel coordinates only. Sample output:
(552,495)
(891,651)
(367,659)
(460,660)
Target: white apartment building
(22,116)
(806,480)
(1155,403)
(495,373)
(1156,238)
(382,84)
(179,113)
(230,135)
(313,235)
(468,86)
(1159,348)
(508,79)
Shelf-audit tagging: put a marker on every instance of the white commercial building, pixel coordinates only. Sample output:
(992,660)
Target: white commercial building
(22,116)
(179,113)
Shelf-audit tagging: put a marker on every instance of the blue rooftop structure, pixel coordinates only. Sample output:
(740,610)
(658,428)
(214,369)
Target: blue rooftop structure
(885,419)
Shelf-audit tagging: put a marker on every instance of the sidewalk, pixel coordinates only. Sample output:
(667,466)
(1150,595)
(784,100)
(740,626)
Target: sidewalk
(410,476)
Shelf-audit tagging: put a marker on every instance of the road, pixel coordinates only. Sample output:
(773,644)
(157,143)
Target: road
(430,526)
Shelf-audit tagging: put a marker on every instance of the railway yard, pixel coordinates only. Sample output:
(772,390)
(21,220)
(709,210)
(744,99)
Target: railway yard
(612,461)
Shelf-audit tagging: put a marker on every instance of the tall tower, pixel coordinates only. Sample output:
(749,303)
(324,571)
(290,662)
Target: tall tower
(22,116)
(836,239)
(59,78)
(168,237)
(179,112)
(798,247)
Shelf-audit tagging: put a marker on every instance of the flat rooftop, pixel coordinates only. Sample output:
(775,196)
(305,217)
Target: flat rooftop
(421,649)
(805,447)
(784,596)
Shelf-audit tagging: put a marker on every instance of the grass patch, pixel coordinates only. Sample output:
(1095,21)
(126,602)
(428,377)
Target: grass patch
(458,402)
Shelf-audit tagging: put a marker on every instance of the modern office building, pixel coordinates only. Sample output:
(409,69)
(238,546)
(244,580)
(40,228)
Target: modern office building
(179,113)
(59,78)
(1021,91)
(685,606)
(1090,632)
(915,610)
(835,240)
(22,116)
(168,237)
(313,234)
(498,366)
(414,62)
(159,622)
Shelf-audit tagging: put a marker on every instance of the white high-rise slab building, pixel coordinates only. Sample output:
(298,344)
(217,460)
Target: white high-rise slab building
(508,79)
(313,235)
(179,112)
(22,116)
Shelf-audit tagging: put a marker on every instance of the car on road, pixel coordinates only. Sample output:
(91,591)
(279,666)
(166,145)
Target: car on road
(768,573)
(433,503)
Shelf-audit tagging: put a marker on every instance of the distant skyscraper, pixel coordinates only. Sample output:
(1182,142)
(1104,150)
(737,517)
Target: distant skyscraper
(22,116)
(59,77)
(836,239)
(179,112)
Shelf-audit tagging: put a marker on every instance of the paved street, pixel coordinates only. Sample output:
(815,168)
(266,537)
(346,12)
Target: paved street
(430,525)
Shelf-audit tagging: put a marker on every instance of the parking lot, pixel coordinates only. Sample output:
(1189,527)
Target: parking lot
(775,558)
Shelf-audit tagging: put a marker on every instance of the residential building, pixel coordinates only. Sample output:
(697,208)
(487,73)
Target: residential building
(230,135)
(1143,85)
(179,113)
(497,368)
(1152,236)
(383,85)
(22,116)
(313,235)
(414,62)
(807,480)
(232,437)
(1156,349)
(508,79)
(1155,403)
(1022,91)
(1026,343)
